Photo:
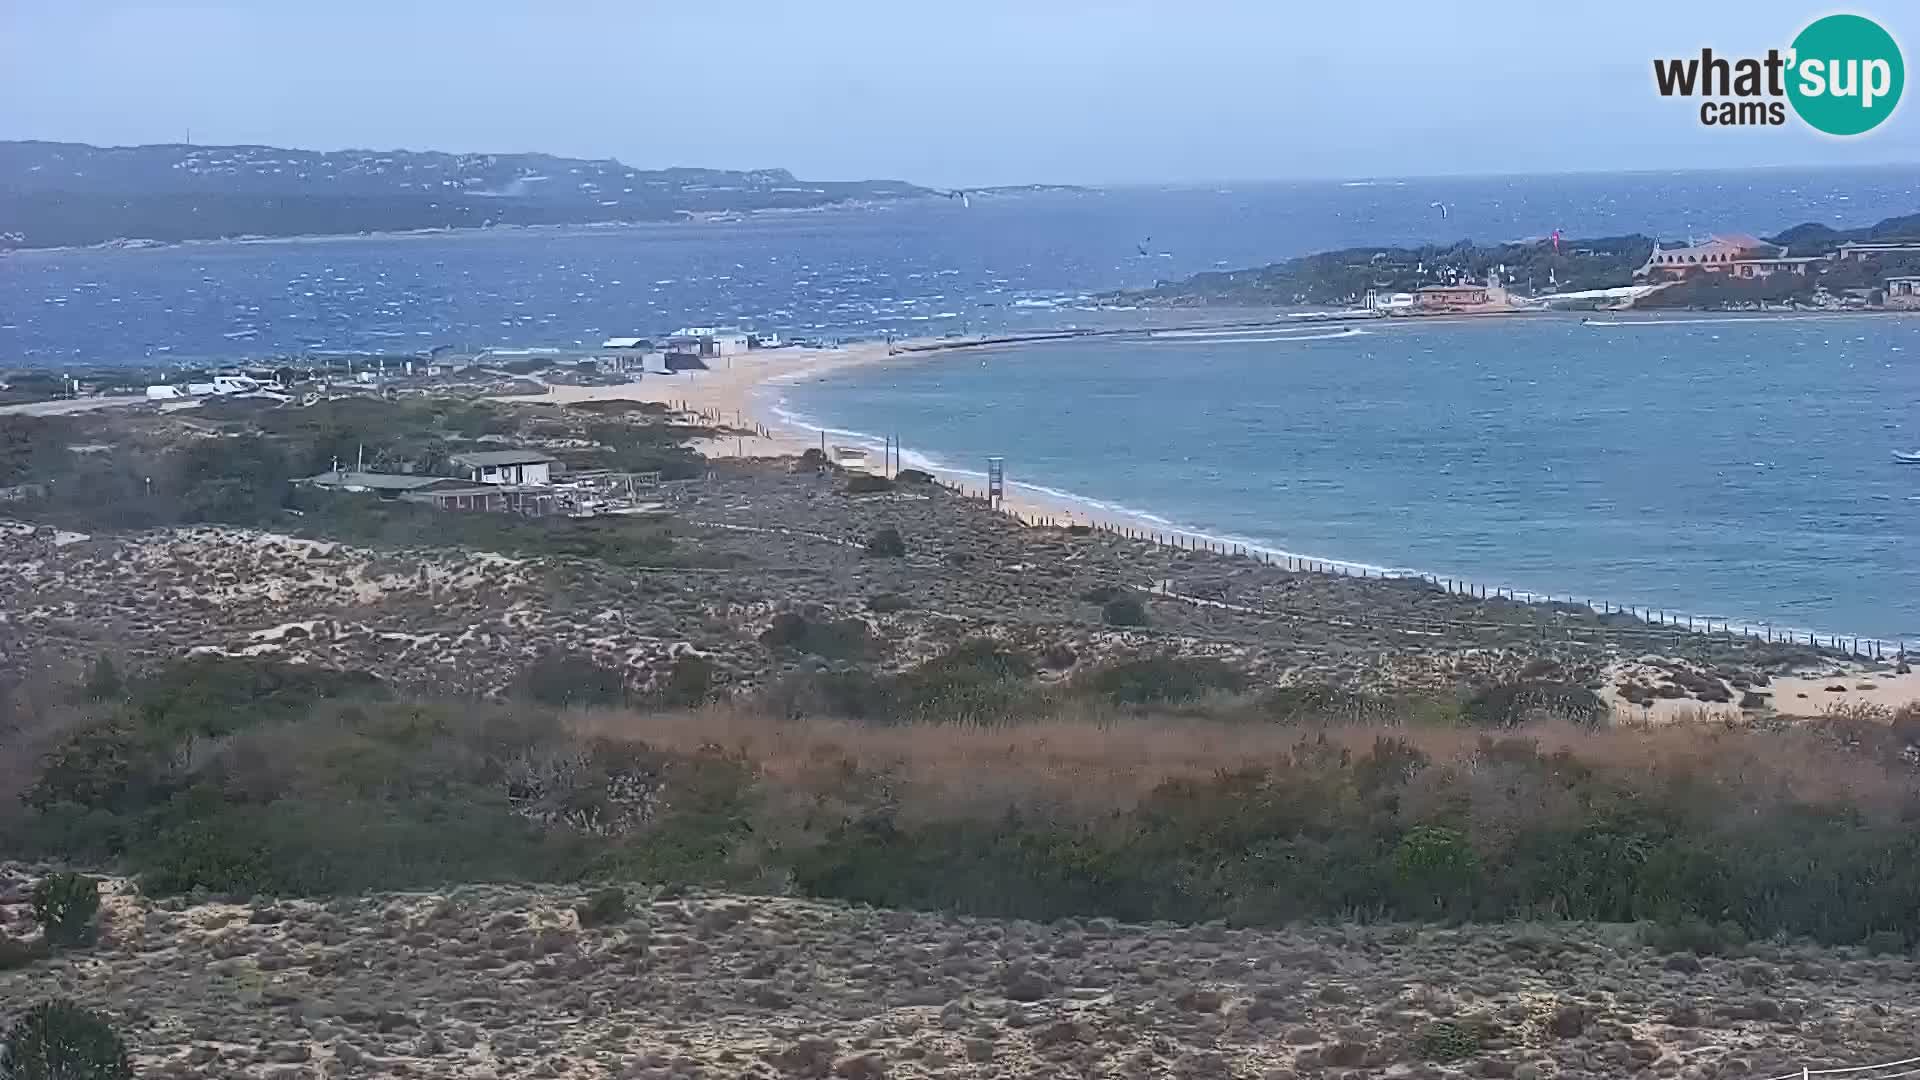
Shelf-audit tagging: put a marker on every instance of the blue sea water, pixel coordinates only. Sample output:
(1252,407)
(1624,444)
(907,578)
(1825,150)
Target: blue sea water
(916,268)
(1724,467)
(1733,469)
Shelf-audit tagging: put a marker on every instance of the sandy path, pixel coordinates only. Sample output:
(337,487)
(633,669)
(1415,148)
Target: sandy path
(62,406)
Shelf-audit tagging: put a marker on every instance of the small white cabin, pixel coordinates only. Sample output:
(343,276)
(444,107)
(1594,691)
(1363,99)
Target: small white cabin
(505,467)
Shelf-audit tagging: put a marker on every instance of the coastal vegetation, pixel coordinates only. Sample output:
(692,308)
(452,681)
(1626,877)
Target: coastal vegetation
(1157,790)
(58,1040)
(235,463)
(309,767)
(1344,276)
(1533,267)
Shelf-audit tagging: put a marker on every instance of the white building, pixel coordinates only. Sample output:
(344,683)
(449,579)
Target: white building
(709,340)
(504,466)
(625,353)
(1852,250)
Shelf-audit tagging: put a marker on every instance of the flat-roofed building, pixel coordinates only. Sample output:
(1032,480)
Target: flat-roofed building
(504,466)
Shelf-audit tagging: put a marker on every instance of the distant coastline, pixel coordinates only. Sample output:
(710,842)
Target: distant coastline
(75,195)
(1805,265)
(137,244)
(689,220)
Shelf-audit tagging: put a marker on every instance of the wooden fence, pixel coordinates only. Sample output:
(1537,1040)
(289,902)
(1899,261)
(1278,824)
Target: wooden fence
(1662,624)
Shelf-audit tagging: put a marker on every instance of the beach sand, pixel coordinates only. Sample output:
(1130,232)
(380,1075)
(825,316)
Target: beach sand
(1810,695)
(1844,687)
(731,395)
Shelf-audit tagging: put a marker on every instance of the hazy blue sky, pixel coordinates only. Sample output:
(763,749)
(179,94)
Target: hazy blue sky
(968,92)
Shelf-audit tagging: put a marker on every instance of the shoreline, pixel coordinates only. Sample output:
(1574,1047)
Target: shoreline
(741,391)
(732,394)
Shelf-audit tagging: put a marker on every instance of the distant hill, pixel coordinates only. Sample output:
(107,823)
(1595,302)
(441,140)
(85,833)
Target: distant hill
(59,194)
(1346,275)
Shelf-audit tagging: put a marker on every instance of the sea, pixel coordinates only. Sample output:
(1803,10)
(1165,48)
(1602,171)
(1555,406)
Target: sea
(1729,467)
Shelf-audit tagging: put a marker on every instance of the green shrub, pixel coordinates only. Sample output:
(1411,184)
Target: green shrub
(1446,1041)
(1885,943)
(216,695)
(1124,610)
(804,631)
(977,681)
(1435,870)
(689,681)
(58,1040)
(605,907)
(225,854)
(1695,935)
(64,905)
(1320,704)
(330,843)
(913,476)
(979,656)
(1506,705)
(567,678)
(15,953)
(242,481)
(866,483)
(887,602)
(1163,679)
(886,544)
(103,681)
(102,766)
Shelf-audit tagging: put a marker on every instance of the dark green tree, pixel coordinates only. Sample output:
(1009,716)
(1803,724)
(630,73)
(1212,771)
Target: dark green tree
(58,1040)
(64,905)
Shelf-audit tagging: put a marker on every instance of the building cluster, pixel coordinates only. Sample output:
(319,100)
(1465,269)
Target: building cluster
(519,480)
(687,349)
(1731,256)
(1738,256)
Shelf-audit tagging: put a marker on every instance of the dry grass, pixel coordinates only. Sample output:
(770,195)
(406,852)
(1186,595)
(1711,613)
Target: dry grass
(1087,762)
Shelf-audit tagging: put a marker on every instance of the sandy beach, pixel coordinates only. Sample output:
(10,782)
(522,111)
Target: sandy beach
(725,394)
(1839,689)
(731,395)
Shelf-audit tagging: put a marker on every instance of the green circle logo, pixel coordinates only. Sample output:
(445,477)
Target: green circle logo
(1846,75)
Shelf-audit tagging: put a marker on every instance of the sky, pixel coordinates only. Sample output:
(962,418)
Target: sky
(945,93)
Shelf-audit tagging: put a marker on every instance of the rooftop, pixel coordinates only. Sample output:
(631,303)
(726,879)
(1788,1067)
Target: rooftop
(372,481)
(624,343)
(482,459)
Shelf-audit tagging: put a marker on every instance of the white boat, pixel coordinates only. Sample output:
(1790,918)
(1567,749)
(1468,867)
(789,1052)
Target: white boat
(1910,458)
